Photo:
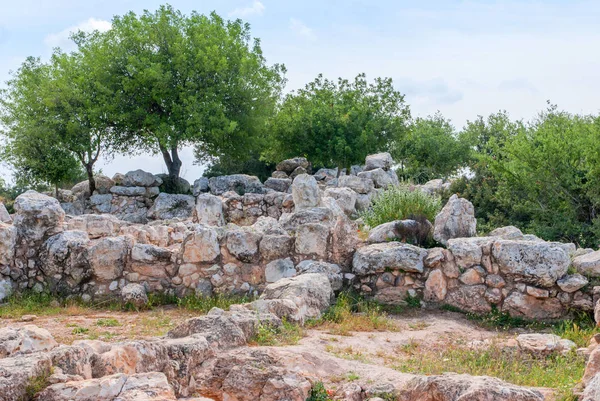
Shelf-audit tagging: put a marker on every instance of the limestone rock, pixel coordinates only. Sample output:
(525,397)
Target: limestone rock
(456,220)
(276,246)
(278,184)
(278,269)
(8,241)
(380,178)
(523,305)
(333,271)
(38,216)
(140,178)
(108,256)
(16,374)
(454,387)
(588,264)
(404,230)
(200,186)
(379,160)
(25,340)
(4,215)
(243,244)
(543,344)
(6,289)
(592,390)
(360,185)
(572,282)
(289,165)
(508,232)
(128,191)
(65,255)
(305,192)
(134,294)
(279,174)
(82,189)
(345,198)
(536,263)
(238,183)
(97,226)
(436,286)
(201,245)
(172,206)
(376,258)
(469,299)
(468,252)
(209,210)
(311,239)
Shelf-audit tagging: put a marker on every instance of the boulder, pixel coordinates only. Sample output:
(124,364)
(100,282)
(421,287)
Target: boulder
(456,220)
(238,183)
(140,178)
(312,239)
(172,206)
(508,232)
(379,160)
(38,216)
(200,186)
(103,186)
(276,246)
(403,230)
(289,165)
(311,294)
(380,178)
(95,225)
(16,375)
(5,289)
(376,258)
(588,264)
(360,185)
(469,299)
(572,282)
(454,387)
(436,286)
(8,242)
(592,390)
(101,203)
(345,198)
(25,340)
(333,271)
(177,185)
(530,307)
(4,215)
(64,255)
(278,184)
(305,192)
(279,174)
(536,263)
(243,244)
(200,246)
(128,191)
(299,170)
(134,294)
(543,344)
(107,257)
(278,269)
(209,210)
(326,174)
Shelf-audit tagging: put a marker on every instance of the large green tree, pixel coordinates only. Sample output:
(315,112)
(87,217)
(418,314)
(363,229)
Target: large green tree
(338,123)
(431,149)
(55,117)
(187,80)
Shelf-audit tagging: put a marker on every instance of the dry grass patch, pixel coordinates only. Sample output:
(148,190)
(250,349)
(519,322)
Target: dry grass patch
(348,352)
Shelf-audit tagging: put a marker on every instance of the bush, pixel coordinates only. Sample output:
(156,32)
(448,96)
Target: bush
(399,203)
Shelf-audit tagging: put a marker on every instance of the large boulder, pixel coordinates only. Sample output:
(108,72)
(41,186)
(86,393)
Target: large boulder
(289,165)
(200,246)
(456,220)
(380,178)
(38,216)
(140,178)
(536,263)
(345,198)
(134,294)
(376,258)
(311,294)
(278,184)
(404,230)
(172,206)
(532,308)
(305,192)
(209,210)
(360,185)
(278,269)
(96,225)
(238,183)
(200,186)
(588,264)
(103,186)
(108,256)
(64,259)
(543,344)
(454,387)
(4,215)
(592,390)
(379,160)
(333,271)
(25,340)
(8,241)
(243,244)
(17,374)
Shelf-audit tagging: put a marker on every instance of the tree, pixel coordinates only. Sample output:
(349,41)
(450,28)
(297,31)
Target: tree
(187,80)
(431,149)
(54,118)
(338,124)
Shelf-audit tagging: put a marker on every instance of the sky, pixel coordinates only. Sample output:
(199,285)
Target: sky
(462,58)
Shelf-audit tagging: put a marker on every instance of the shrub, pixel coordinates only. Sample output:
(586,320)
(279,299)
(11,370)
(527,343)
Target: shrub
(318,393)
(399,203)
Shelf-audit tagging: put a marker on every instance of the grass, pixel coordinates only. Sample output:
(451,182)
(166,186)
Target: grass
(37,384)
(353,313)
(398,203)
(107,323)
(348,353)
(318,393)
(286,334)
(561,372)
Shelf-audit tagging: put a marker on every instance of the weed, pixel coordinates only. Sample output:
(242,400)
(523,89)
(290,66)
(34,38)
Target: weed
(37,384)
(348,353)
(107,323)
(351,376)
(413,302)
(318,393)
(79,330)
(286,334)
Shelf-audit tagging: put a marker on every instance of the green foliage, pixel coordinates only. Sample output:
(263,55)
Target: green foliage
(107,322)
(399,203)
(431,149)
(318,393)
(183,80)
(270,335)
(338,124)
(37,384)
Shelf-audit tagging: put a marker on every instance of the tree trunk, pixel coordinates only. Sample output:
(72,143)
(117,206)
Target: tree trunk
(172,161)
(90,173)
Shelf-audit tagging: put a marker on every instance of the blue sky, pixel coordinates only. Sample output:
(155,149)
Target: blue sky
(463,58)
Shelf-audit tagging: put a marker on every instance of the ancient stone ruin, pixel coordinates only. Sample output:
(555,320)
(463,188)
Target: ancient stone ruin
(293,242)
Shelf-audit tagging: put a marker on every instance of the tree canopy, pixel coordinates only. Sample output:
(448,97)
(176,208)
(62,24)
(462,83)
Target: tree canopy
(339,123)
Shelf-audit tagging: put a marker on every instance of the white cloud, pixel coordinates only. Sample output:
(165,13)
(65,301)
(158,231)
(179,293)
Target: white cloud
(257,8)
(61,39)
(301,29)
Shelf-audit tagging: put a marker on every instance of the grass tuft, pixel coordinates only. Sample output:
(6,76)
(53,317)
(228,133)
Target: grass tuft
(318,393)
(269,335)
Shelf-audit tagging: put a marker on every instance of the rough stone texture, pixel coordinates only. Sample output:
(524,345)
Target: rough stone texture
(360,185)
(523,305)
(65,255)
(209,210)
(543,344)
(380,178)
(289,165)
(379,160)
(134,294)
(537,263)
(278,269)
(436,286)
(469,298)
(82,189)
(508,232)
(108,257)
(243,244)
(238,183)
(572,282)
(4,215)
(172,206)
(201,245)
(140,178)
(332,271)
(305,192)
(38,216)
(453,387)
(16,374)
(311,239)
(376,258)
(345,198)
(200,186)
(25,340)
(456,220)
(588,264)
(278,184)
(8,241)
(592,390)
